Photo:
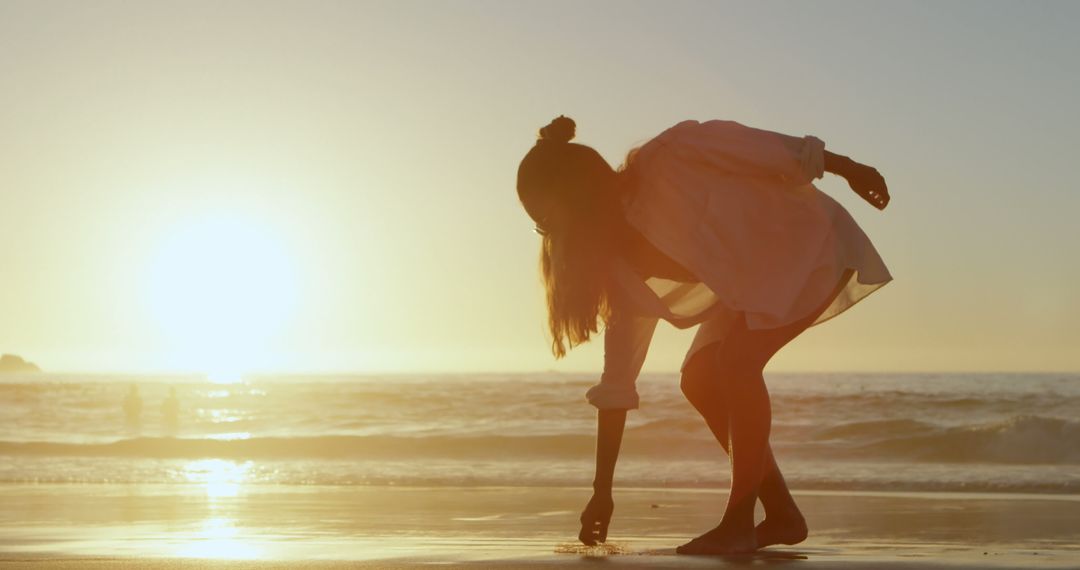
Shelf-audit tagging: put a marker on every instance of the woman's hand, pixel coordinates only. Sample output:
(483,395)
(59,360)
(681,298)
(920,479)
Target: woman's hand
(869,184)
(595,518)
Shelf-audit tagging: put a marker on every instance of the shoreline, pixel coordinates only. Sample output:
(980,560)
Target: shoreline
(231,525)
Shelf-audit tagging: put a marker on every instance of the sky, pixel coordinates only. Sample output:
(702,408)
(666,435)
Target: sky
(325,186)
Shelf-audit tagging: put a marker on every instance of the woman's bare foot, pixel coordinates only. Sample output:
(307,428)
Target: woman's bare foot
(781,530)
(721,540)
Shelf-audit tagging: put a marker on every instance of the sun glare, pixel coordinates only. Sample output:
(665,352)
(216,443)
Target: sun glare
(220,288)
(225,376)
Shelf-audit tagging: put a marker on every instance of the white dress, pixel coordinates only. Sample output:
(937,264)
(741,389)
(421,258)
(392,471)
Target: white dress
(736,207)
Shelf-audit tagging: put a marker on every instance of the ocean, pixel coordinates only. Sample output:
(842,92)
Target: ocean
(1013,433)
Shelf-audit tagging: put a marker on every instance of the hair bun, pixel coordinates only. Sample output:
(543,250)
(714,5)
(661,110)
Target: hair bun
(560,129)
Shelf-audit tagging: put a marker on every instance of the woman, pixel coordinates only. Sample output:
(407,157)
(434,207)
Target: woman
(713,224)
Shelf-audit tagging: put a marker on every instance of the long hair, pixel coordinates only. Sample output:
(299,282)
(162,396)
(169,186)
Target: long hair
(573,267)
(569,191)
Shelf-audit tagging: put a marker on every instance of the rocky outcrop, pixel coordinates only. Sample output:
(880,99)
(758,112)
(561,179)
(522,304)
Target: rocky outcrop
(12,363)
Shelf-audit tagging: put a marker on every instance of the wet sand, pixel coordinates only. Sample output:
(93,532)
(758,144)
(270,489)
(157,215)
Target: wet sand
(225,525)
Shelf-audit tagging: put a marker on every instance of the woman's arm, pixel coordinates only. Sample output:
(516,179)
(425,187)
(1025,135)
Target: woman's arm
(626,343)
(597,515)
(609,432)
(838,164)
(736,148)
(864,180)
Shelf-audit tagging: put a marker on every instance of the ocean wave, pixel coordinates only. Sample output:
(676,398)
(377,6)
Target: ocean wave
(639,473)
(873,429)
(1019,440)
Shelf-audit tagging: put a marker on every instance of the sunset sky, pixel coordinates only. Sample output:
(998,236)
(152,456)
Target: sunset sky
(329,186)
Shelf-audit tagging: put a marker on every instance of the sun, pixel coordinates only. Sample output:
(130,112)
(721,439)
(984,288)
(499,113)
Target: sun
(220,288)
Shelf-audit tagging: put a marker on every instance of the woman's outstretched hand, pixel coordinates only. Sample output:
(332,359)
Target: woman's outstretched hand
(869,184)
(595,518)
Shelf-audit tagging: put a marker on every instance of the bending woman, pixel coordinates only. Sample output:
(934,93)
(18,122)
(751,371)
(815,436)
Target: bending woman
(713,224)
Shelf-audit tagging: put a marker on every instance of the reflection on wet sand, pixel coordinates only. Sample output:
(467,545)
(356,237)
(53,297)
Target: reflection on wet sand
(218,535)
(219,538)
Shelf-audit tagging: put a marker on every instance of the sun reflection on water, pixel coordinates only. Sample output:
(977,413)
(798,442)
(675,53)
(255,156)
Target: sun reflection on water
(222,478)
(231,436)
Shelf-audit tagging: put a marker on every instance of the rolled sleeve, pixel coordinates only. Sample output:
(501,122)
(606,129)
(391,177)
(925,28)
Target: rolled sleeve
(626,343)
(613,396)
(812,157)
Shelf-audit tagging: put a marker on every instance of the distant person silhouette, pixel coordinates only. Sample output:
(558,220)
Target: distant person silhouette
(133,408)
(170,412)
(713,224)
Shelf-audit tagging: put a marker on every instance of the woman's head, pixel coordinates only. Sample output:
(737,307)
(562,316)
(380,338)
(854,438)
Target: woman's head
(570,191)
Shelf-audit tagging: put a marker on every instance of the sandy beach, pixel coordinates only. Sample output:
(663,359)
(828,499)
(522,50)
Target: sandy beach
(222,526)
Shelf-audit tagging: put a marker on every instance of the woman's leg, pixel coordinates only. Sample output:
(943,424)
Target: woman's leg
(741,386)
(742,392)
(783,523)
